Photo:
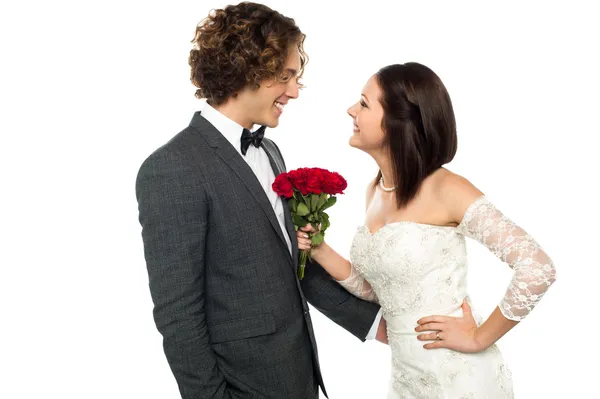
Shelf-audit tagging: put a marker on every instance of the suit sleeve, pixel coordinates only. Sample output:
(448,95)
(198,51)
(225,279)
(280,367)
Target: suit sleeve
(173,215)
(330,298)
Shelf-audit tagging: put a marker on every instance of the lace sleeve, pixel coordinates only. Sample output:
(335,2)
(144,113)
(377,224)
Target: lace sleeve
(533,270)
(358,286)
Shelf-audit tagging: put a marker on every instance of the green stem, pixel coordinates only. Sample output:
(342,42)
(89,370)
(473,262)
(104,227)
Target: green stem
(302,264)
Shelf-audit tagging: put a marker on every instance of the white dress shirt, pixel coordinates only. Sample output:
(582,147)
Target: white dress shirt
(258,160)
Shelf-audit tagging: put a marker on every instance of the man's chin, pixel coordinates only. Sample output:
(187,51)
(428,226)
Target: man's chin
(271,123)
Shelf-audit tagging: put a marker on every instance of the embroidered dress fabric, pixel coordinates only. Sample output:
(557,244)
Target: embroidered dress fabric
(414,270)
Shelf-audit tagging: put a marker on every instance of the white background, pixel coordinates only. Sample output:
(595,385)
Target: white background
(89,89)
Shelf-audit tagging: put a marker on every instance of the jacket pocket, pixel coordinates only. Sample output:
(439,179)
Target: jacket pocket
(232,330)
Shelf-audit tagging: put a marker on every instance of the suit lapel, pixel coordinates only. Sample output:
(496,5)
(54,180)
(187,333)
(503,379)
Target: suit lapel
(233,159)
(278,168)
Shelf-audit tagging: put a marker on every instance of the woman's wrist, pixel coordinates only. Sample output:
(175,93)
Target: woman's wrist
(318,251)
(494,328)
(483,338)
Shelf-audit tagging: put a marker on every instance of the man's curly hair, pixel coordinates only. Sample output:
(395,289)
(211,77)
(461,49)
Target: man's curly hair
(239,46)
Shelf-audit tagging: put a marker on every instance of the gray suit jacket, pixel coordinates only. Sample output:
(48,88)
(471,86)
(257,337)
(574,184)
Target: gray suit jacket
(234,318)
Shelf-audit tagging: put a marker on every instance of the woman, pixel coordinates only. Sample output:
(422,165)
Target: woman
(410,254)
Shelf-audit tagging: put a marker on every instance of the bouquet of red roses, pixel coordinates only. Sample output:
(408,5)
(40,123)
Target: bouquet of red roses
(310,192)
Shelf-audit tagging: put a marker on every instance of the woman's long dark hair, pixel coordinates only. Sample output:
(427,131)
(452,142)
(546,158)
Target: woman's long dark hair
(419,125)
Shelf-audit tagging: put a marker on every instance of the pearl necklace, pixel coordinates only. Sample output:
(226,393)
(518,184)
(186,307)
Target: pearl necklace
(384,188)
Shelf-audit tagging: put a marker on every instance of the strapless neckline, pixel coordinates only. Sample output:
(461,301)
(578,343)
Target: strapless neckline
(399,223)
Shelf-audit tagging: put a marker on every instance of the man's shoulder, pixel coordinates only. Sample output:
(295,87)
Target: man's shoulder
(174,153)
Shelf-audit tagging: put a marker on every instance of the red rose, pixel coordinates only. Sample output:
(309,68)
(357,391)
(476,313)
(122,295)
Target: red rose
(334,183)
(315,185)
(298,179)
(283,186)
(314,180)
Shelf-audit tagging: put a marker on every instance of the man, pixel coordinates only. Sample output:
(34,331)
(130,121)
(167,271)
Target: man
(220,246)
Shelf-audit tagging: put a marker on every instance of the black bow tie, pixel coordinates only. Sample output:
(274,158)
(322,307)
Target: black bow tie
(252,138)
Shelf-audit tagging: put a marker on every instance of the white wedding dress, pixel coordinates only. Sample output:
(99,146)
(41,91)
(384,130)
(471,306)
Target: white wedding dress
(414,270)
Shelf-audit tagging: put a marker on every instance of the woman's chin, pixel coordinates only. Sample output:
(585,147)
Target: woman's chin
(354,141)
